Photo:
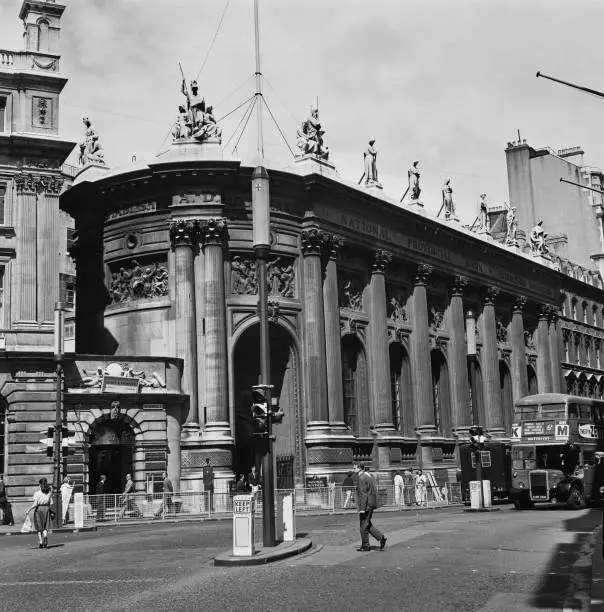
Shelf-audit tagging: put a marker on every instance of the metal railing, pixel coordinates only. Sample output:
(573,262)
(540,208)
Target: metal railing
(103,509)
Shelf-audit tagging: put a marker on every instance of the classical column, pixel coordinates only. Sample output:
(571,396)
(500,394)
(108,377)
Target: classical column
(555,344)
(544,366)
(173,433)
(461,410)
(333,347)
(379,358)
(314,329)
(184,238)
(199,274)
(518,358)
(490,365)
(214,238)
(421,365)
(26,285)
(50,240)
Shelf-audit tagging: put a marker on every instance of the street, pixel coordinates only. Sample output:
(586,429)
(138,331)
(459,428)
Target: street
(434,560)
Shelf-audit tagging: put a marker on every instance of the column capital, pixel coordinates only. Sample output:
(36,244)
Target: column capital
(184,232)
(519,303)
(548,312)
(459,285)
(381,260)
(422,273)
(490,295)
(313,241)
(38,183)
(333,243)
(214,232)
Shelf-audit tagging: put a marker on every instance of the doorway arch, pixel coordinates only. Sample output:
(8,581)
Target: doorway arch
(533,388)
(476,390)
(354,382)
(507,397)
(3,436)
(111,453)
(286,387)
(440,392)
(402,393)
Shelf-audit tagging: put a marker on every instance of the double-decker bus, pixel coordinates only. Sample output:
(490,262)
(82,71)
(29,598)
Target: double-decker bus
(557,450)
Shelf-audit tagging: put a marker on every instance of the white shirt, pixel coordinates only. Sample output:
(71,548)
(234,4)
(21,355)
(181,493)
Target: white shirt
(398,481)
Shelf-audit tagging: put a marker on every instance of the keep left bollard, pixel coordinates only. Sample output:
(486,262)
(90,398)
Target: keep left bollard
(78,510)
(243,526)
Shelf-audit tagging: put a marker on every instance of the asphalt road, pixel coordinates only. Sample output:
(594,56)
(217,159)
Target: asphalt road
(434,560)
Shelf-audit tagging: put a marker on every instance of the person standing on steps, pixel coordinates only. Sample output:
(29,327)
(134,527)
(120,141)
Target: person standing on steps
(366,504)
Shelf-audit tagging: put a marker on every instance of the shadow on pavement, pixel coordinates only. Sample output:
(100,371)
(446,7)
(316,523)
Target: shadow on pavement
(563,579)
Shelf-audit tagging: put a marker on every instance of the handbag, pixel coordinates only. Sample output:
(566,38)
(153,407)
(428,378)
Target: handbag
(52,514)
(27,525)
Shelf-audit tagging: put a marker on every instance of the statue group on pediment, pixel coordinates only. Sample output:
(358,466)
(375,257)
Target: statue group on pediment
(94,379)
(501,331)
(537,241)
(397,311)
(511,226)
(351,294)
(91,150)
(310,137)
(281,277)
(436,318)
(138,282)
(196,119)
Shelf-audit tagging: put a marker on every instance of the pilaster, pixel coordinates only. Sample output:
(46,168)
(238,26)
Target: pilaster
(518,358)
(544,365)
(555,343)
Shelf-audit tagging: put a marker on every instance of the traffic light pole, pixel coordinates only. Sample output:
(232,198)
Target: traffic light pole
(478,458)
(58,352)
(268,470)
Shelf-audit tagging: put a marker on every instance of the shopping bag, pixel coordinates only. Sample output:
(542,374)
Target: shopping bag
(27,525)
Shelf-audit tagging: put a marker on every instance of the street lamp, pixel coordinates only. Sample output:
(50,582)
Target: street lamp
(60,308)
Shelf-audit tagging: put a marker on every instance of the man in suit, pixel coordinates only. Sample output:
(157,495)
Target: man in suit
(100,492)
(366,504)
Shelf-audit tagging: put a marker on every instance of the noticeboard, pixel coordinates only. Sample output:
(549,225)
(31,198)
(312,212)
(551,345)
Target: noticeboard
(316,482)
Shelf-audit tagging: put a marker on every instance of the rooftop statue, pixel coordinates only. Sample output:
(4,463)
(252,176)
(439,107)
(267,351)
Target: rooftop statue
(196,120)
(91,150)
(448,206)
(511,222)
(370,165)
(310,136)
(413,175)
(483,215)
(537,241)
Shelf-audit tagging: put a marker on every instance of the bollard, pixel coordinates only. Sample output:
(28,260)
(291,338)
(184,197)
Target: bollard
(289,518)
(243,526)
(78,510)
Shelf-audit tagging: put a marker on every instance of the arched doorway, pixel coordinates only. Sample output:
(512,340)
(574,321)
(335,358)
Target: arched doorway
(285,381)
(402,397)
(440,392)
(533,388)
(507,398)
(476,391)
(354,382)
(111,453)
(3,437)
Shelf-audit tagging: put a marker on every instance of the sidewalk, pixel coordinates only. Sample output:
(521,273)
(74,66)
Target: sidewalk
(597,575)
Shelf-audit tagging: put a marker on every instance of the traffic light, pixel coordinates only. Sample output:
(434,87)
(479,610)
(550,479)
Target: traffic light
(277,413)
(259,409)
(477,438)
(67,440)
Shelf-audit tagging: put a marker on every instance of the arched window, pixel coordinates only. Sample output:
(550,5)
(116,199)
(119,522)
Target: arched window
(440,391)
(400,382)
(354,382)
(573,308)
(532,380)
(507,399)
(3,437)
(584,313)
(43,41)
(594,316)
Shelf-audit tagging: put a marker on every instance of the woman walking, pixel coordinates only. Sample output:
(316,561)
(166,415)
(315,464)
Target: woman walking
(42,502)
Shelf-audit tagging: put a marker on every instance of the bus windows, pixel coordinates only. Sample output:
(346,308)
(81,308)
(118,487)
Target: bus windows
(554,411)
(523,458)
(524,413)
(573,411)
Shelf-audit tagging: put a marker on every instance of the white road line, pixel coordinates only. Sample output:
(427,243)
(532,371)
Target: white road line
(98,581)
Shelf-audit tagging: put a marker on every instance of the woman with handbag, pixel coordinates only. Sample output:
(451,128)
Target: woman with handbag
(42,511)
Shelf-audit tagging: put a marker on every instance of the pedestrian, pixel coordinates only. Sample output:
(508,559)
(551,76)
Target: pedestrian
(348,488)
(100,498)
(43,514)
(167,492)
(66,491)
(366,504)
(253,481)
(208,485)
(241,486)
(128,503)
(421,497)
(5,506)
(398,489)
(409,487)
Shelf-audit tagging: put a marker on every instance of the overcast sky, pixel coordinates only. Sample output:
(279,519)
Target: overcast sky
(446,82)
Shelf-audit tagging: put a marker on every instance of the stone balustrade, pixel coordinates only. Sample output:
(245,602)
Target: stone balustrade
(28,60)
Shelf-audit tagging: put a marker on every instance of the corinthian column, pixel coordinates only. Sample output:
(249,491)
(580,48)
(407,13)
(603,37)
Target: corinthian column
(490,365)
(421,366)
(555,342)
(519,372)
(381,398)
(26,285)
(333,348)
(544,365)
(461,413)
(184,236)
(314,332)
(214,238)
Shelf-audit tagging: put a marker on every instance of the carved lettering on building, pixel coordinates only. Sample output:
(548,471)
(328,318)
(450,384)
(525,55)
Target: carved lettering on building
(135,281)
(428,249)
(135,209)
(203,197)
(366,227)
(42,112)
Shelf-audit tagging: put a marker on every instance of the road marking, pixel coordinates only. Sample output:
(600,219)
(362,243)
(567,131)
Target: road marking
(96,581)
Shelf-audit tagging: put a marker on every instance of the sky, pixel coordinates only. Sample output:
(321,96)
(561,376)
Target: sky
(448,83)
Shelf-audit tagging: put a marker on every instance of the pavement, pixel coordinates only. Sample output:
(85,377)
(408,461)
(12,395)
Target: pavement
(597,573)
(438,560)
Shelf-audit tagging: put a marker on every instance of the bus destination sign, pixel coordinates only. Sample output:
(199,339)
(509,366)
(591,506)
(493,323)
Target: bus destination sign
(538,431)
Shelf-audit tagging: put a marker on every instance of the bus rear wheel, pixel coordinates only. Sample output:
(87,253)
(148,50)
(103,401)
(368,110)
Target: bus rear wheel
(575,499)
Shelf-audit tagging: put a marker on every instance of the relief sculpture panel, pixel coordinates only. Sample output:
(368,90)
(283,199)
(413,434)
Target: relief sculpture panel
(280,272)
(135,281)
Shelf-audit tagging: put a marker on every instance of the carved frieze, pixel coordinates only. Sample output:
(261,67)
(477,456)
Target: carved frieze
(529,341)
(135,281)
(281,277)
(351,292)
(502,331)
(100,377)
(397,312)
(38,183)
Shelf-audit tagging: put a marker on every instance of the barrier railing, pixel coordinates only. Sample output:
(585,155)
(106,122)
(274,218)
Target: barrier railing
(100,509)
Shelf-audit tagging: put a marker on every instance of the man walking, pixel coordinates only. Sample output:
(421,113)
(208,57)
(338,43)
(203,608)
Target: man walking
(366,504)
(208,485)
(100,497)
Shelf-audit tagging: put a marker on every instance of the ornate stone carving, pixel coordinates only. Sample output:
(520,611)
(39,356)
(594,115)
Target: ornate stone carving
(436,318)
(310,136)
(196,120)
(115,410)
(537,241)
(381,260)
(184,232)
(566,335)
(281,277)
(370,165)
(138,281)
(38,183)
(519,303)
(273,311)
(333,244)
(490,295)
(351,293)
(423,273)
(313,241)
(501,331)
(511,223)
(91,150)
(397,311)
(117,370)
(529,341)
(459,285)
(42,111)
(214,231)
(448,206)
(413,188)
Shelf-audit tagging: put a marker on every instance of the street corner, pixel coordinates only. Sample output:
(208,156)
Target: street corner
(282,551)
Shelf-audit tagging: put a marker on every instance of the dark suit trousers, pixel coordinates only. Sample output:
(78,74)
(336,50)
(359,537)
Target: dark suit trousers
(367,527)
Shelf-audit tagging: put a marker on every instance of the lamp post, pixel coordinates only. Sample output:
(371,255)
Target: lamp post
(58,357)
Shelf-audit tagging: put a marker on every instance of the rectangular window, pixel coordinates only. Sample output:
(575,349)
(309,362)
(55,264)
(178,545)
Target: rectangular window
(70,295)
(2,202)
(2,269)
(2,113)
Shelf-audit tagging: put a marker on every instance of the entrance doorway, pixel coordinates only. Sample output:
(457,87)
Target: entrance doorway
(285,381)
(111,454)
